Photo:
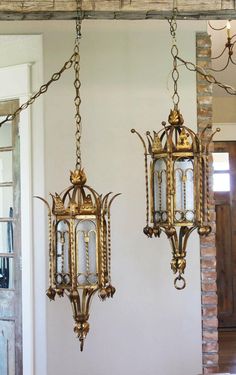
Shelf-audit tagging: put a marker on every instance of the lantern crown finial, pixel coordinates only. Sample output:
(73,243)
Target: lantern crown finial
(78,177)
(175,118)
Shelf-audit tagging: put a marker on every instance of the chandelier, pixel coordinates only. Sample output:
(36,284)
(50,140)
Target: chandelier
(177,181)
(228,48)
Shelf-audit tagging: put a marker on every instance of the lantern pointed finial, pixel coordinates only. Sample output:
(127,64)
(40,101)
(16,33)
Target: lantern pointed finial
(78,177)
(175,117)
(156,144)
(57,205)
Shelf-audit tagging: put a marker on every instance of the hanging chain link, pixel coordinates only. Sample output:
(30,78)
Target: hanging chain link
(75,61)
(208,77)
(55,77)
(77,84)
(174,53)
(189,65)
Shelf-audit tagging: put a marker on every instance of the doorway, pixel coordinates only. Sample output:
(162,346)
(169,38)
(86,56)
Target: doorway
(225,203)
(10,245)
(224,186)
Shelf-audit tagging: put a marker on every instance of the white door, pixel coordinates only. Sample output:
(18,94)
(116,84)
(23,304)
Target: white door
(10,245)
(16,295)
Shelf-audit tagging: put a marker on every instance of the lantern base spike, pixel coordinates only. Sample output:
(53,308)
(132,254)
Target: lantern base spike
(81,344)
(81,329)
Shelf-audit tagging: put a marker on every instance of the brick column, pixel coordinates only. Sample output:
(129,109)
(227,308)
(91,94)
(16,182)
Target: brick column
(207,245)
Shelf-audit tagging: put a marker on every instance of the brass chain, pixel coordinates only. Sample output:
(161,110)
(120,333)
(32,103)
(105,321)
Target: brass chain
(208,77)
(75,61)
(55,77)
(174,53)
(189,65)
(77,84)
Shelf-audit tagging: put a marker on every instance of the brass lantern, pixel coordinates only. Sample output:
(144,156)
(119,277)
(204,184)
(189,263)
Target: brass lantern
(79,232)
(79,222)
(80,248)
(177,181)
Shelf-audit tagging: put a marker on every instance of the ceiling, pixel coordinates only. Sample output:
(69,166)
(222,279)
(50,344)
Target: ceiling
(139,9)
(117,9)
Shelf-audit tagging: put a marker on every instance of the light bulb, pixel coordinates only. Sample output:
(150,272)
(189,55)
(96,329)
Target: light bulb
(228,26)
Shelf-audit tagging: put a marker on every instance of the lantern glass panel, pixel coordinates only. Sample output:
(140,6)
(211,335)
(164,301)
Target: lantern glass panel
(159,191)
(86,247)
(62,251)
(184,190)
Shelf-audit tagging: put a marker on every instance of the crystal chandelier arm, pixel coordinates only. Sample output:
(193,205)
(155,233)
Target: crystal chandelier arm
(215,28)
(224,67)
(233,37)
(231,59)
(55,77)
(217,57)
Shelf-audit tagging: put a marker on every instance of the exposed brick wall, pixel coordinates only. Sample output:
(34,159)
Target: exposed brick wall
(207,247)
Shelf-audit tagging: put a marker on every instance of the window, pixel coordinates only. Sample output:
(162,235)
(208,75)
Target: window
(221,175)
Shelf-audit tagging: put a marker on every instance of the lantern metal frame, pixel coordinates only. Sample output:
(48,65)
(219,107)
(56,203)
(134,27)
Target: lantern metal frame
(78,214)
(79,204)
(85,217)
(175,144)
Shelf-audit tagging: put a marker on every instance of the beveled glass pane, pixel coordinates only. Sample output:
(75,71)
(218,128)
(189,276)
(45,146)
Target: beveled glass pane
(6,273)
(62,255)
(6,237)
(184,190)
(6,134)
(221,182)
(86,252)
(220,161)
(159,188)
(6,201)
(6,166)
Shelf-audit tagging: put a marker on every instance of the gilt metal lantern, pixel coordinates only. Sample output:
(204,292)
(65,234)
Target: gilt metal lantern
(79,233)
(80,248)
(177,181)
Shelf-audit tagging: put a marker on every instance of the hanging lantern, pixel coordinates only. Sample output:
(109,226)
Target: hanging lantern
(80,248)
(177,182)
(79,222)
(79,233)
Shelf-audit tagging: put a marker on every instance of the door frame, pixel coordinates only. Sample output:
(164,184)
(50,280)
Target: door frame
(16,85)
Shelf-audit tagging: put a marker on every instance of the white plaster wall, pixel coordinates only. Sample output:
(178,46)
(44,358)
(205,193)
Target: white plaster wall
(224,109)
(227,131)
(149,327)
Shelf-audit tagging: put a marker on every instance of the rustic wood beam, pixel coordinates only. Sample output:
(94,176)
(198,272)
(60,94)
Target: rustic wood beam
(116,9)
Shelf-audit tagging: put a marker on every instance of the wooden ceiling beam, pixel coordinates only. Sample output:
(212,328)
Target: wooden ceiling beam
(116,9)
